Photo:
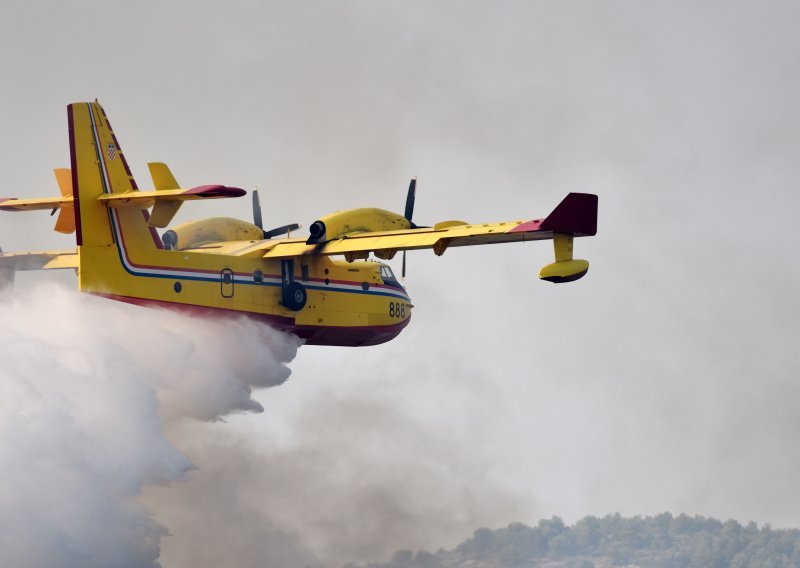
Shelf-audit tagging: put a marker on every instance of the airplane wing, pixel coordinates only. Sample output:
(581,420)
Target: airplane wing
(575,216)
(11,263)
(39,260)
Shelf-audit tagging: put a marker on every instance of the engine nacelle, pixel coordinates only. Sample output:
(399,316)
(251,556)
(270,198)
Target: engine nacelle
(341,223)
(214,230)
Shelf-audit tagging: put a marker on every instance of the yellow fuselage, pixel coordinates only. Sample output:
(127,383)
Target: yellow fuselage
(356,303)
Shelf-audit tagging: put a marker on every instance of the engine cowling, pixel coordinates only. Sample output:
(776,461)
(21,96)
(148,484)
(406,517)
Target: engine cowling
(365,219)
(213,230)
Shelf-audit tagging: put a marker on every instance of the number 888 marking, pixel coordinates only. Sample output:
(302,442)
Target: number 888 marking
(397,310)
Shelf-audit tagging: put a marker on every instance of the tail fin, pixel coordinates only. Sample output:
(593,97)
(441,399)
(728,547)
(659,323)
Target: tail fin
(575,216)
(163,210)
(162,176)
(66,214)
(99,167)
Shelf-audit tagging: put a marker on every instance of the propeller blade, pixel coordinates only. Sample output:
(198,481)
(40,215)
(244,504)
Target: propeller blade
(412,192)
(281,230)
(257,211)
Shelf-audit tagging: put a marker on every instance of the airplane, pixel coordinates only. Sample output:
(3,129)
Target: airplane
(223,266)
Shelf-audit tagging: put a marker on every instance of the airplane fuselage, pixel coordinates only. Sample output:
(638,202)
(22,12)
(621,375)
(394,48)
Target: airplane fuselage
(346,303)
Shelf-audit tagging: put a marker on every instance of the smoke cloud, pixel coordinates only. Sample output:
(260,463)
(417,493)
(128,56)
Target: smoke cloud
(127,439)
(87,389)
(355,480)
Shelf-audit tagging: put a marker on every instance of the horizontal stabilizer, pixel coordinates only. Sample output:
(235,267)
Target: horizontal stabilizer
(41,203)
(166,202)
(144,199)
(64,204)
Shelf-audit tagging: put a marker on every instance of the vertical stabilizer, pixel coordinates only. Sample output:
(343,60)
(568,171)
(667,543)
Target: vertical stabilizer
(165,209)
(66,214)
(109,239)
(98,167)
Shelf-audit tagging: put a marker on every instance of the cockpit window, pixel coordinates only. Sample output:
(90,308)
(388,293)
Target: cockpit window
(389,278)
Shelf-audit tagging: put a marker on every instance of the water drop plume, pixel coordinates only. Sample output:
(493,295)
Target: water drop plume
(87,388)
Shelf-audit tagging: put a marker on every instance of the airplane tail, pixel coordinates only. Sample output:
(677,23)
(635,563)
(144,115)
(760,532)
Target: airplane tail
(102,204)
(99,168)
(575,216)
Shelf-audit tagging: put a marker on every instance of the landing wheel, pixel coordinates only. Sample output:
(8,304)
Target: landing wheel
(295,296)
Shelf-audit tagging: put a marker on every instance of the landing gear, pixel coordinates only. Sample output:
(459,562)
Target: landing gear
(294,296)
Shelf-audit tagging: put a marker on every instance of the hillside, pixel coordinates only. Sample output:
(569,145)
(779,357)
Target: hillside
(663,541)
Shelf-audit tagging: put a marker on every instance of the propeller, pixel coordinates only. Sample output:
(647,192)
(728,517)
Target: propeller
(258,222)
(257,211)
(281,230)
(412,193)
(409,213)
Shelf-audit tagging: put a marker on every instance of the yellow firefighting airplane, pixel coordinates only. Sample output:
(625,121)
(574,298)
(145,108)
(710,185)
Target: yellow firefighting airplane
(227,266)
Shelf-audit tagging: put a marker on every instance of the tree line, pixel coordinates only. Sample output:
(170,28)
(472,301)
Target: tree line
(662,541)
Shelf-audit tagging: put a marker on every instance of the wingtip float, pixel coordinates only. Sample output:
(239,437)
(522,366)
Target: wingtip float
(223,266)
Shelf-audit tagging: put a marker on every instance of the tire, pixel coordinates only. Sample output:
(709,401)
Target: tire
(295,296)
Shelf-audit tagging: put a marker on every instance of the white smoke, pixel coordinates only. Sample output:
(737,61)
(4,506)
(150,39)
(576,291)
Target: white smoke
(356,477)
(87,387)
(113,454)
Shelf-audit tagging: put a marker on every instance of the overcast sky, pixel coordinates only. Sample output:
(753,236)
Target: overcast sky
(666,379)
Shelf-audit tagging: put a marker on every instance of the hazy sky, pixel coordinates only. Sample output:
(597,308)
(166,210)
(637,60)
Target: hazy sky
(666,379)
